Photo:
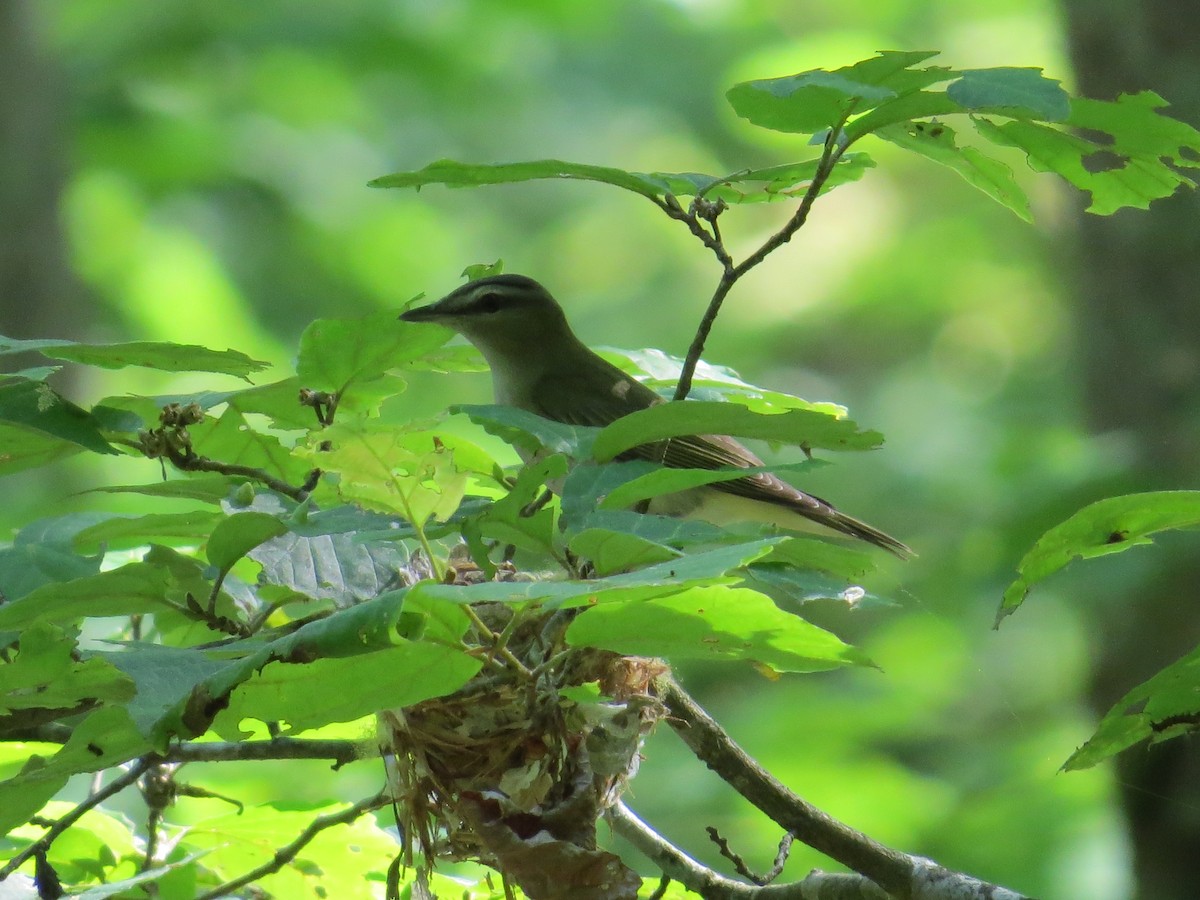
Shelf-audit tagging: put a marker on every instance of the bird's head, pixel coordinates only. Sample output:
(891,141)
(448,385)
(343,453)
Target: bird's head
(501,314)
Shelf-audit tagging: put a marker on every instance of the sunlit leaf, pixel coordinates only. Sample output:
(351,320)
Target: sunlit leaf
(714,623)
(237,535)
(1107,526)
(133,588)
(1164,706)
(799,426)
(336,353)
(936,141)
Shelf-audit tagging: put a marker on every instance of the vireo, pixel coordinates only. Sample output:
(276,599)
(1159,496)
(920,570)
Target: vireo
(539,365)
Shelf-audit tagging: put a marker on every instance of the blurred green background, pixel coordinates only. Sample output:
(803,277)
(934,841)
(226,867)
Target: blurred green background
(197,173)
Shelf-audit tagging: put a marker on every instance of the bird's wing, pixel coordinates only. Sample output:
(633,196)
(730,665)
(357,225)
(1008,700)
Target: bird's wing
(597,396)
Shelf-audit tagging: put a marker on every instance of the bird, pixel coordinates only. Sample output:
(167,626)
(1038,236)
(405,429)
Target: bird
(539,365)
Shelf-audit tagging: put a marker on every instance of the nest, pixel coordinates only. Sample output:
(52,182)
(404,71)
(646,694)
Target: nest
(515,768)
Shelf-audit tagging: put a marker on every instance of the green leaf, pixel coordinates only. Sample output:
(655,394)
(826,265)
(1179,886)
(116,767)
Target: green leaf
(26,448)
(133,588)
(935,141)
(710,566)
(37,405)
(337,353)
(802,427)
(1163,707)
(209,487)
(529,431)
(665,481)
(1107,526)
(237,535)
(664,530)
(166,357)
(138,531)
(385,468)
(810,554)
(812,101)
(34,560)
(105,738)
(47,675)
(505,519)
(714,623)
(1135,164)
(341,690)
(164,676)
(231,439)
(615,551)
(1025,92)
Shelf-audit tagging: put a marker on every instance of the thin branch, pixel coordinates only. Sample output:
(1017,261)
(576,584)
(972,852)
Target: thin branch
(192,462)
(696,877)
(742,868)
(730,273)
(341,752)
(115,787)
(288,853)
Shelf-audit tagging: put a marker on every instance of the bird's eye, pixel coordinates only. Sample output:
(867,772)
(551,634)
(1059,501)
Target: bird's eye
(489,303)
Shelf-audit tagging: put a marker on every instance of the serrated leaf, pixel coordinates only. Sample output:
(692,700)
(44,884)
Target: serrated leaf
(1026,92)
(715,623)
(385,468)
(817,99)
(1135,165)
(677,419)
(231,439)
(235,536)
(507,520)
(936,142)
(1107,526)
(337,353)
(166,357)
(35,404)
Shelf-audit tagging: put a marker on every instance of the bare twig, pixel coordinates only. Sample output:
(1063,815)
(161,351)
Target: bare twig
(286,854)
(193,462)
(730,273)
(742,868)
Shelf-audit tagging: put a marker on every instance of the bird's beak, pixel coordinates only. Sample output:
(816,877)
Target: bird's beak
(421,314)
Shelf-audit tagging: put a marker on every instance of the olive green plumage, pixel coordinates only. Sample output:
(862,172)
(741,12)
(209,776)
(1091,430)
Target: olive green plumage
(539,365)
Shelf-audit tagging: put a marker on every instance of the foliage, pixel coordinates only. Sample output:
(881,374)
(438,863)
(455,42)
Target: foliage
(316,574)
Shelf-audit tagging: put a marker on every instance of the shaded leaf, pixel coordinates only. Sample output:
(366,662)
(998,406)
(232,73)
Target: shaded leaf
(336,353)
(133,588)
(164,356)
(1026,92)
(37,405)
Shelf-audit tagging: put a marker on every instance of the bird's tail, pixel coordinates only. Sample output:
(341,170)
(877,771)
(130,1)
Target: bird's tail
(839,521)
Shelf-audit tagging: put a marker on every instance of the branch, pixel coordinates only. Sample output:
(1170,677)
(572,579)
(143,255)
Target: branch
(899,874)
(288,853)
(41,844)
(730,273)
(702,880)
(341,752)
(192,462)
